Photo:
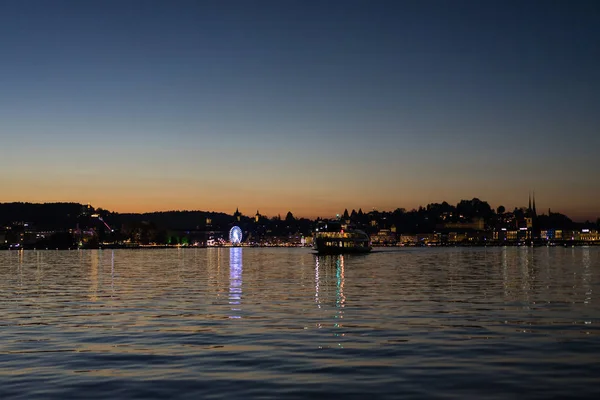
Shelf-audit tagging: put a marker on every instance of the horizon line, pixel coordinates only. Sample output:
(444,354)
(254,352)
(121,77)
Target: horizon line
(587,219)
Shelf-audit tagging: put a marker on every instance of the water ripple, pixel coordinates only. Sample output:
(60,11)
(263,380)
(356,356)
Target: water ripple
(284,323)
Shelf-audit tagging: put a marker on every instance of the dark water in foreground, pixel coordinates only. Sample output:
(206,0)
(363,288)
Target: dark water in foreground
(284,323)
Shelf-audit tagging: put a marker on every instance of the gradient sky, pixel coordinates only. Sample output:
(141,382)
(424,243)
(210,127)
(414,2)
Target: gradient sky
(308,106)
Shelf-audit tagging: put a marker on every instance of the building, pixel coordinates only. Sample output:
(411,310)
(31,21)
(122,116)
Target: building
(588,235)
(477,224)
(384,237)
(419,239)
(531,220)
(237,215)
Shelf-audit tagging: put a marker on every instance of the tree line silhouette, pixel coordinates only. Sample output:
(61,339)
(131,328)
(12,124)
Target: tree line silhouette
(173,227)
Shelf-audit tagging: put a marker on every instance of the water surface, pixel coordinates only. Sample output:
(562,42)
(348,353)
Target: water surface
(284,323)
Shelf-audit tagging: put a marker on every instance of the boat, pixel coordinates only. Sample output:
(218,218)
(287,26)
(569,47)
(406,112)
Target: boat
(331,237)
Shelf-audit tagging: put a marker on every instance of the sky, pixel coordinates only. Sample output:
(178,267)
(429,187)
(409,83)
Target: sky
(307,106)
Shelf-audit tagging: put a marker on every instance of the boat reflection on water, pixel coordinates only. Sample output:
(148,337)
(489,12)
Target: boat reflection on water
(235,281)
(330,274)
(340,280)
(329,270)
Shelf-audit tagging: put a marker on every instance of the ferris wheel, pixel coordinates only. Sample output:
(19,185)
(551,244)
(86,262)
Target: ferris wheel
(235,235)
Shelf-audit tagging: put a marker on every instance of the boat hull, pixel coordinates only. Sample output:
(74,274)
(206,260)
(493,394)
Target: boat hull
(338,250)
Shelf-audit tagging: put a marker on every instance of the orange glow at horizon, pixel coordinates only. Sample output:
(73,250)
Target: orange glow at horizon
(303,201)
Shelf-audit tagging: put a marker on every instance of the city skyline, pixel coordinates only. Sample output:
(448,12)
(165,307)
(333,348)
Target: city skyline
(532,203)
(310,107)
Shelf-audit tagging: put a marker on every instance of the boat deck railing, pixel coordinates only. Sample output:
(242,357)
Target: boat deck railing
(340,235)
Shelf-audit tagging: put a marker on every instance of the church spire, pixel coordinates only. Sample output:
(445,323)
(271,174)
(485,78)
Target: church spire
(534,212)
(529,208)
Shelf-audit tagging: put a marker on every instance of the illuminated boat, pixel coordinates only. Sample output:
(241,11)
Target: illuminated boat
(330,237)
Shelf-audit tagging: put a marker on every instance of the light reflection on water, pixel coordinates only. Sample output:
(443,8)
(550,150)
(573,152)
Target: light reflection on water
(284,323)
(235,280)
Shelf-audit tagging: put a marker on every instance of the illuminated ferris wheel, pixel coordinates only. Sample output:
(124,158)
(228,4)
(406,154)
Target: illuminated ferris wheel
(235,235)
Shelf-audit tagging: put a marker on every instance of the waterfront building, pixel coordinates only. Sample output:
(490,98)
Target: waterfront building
(456,237)
(419,239)
(383,237)
(588,235)
(307,240)
(548,234)
(512,235)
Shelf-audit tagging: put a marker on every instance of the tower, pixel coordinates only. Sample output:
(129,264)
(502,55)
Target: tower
(532,218)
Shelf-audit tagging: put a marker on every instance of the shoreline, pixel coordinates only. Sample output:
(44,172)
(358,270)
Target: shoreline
(158,247)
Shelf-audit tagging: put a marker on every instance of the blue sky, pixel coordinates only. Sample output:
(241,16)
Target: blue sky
(309,106)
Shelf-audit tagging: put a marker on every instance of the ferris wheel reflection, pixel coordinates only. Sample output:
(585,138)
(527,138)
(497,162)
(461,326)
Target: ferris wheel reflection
(235,281)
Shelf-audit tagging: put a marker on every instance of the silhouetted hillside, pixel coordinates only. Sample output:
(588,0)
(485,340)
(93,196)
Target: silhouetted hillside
(64,216)
(49,216)
(179,220)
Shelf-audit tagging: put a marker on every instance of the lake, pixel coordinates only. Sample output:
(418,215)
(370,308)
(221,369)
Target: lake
(227,323)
